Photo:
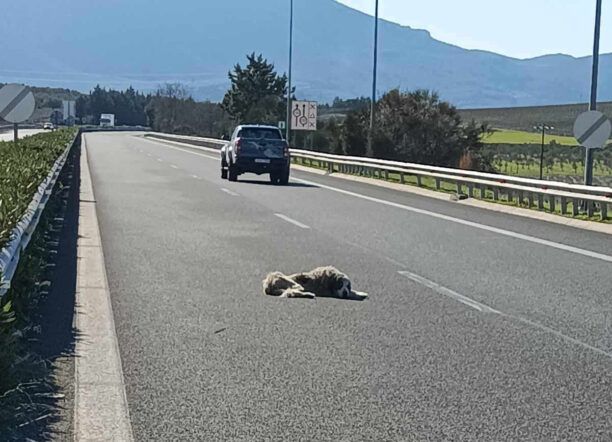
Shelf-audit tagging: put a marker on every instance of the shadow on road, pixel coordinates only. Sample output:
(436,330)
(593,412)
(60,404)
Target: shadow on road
(268,183)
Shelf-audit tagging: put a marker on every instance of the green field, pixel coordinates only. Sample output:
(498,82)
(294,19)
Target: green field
(501,136)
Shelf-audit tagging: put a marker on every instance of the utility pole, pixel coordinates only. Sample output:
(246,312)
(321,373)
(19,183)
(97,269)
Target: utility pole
(374,78)
(288,136)
(588,162)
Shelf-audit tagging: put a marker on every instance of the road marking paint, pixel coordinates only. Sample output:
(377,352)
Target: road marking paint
(229,192)
(448,292)
(101,409)
(196,177)
(292,221)
(165,144)
(173,166)
(486,309)
(464,222)
(160,160)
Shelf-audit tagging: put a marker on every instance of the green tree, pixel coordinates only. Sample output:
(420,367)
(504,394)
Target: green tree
(257,93)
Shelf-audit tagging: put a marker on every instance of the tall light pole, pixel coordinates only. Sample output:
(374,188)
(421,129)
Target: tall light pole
(288,136)
(588,162)
(373,103)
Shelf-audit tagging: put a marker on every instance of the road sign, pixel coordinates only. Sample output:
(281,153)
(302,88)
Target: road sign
(16,103)
(304,115)
(592,129)
(282,125)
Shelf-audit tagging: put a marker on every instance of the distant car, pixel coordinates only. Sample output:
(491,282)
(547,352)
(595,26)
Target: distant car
(256,149)
(48,126)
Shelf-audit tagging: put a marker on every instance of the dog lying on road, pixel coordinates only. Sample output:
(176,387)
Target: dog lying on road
(321,282)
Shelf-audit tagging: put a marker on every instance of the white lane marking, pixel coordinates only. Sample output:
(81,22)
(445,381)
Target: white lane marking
(163,144)
(486,309)
(196,177)
(464,222)
(229,192)
(173,166)
(101,409)
(448,292)
(160,160)
(292,221)
(149,155)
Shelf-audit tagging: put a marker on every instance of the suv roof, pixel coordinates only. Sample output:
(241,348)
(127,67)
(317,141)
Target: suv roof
(256,126)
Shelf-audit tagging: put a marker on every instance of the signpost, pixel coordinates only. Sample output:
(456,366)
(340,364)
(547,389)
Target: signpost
(304,115)
(16,105)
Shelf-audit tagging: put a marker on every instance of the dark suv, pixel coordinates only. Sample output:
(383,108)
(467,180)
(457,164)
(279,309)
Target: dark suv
(256,149)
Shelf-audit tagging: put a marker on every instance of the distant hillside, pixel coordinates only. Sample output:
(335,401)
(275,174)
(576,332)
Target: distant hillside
(562,117)
(143,43)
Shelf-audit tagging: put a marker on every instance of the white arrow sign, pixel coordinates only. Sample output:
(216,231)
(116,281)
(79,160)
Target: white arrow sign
(16,103)
(592,129)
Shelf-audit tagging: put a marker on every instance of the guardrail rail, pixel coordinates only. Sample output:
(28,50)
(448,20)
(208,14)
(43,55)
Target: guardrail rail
(526,192)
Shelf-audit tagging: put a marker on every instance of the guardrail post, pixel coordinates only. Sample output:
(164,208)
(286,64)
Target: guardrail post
(419,183)
(552,203)
(530,199)
(386,175)
(470,187)
(604,211)
(575,207)
(563,205)
(540,201)
(590,208)
(521,198)
(495,193)
(402,178)
(483,191)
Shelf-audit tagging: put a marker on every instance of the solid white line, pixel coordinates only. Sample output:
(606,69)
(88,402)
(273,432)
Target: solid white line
(448,292)
(292,221)
(486,309)
(464,222)
(101,409)
(229,192)
(164,143)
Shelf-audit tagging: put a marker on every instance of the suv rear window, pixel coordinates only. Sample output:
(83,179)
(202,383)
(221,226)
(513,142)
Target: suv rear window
(260,133)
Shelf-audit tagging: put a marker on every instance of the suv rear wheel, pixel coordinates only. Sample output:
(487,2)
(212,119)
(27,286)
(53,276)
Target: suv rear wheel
(232,174)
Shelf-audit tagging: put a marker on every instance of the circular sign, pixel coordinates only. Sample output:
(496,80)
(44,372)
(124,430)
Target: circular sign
(16,103)
(592,129)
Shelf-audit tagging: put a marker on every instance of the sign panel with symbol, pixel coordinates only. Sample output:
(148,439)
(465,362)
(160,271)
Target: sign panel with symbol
(304,115)
(592,129)
(16,103)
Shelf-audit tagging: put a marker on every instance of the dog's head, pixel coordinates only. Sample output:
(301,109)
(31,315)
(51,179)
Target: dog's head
(341,285)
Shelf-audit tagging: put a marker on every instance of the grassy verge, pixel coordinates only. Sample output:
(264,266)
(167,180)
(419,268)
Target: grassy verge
(22,169)
(502,136)
(450,188)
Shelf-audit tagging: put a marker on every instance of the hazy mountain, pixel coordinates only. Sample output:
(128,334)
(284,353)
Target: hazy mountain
(76,44)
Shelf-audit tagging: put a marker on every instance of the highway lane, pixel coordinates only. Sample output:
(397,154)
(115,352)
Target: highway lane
(207,357)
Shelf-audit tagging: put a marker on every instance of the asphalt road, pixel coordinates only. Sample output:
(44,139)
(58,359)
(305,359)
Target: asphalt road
(471,332)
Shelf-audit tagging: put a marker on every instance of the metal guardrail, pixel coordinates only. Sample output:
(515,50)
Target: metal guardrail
(526,191)
(22,233)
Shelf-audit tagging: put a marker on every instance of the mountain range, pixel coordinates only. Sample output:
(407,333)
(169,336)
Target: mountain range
(144,43)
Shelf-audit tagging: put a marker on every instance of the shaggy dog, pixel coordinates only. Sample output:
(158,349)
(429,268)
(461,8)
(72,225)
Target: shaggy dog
(321,282)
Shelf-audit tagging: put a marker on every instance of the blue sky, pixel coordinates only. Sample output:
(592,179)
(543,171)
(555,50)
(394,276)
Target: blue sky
(518,28)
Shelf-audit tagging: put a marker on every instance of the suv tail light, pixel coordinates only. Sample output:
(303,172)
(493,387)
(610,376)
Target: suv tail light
(286,151)
(238,145)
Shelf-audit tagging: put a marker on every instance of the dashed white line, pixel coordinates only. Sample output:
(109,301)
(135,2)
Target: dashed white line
(229,192)
(196,177)
(448,292)
(292,221)
(160,160)
(173,166)
(486,309)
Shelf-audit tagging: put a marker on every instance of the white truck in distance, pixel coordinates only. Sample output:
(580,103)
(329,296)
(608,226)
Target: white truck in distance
(107,120)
